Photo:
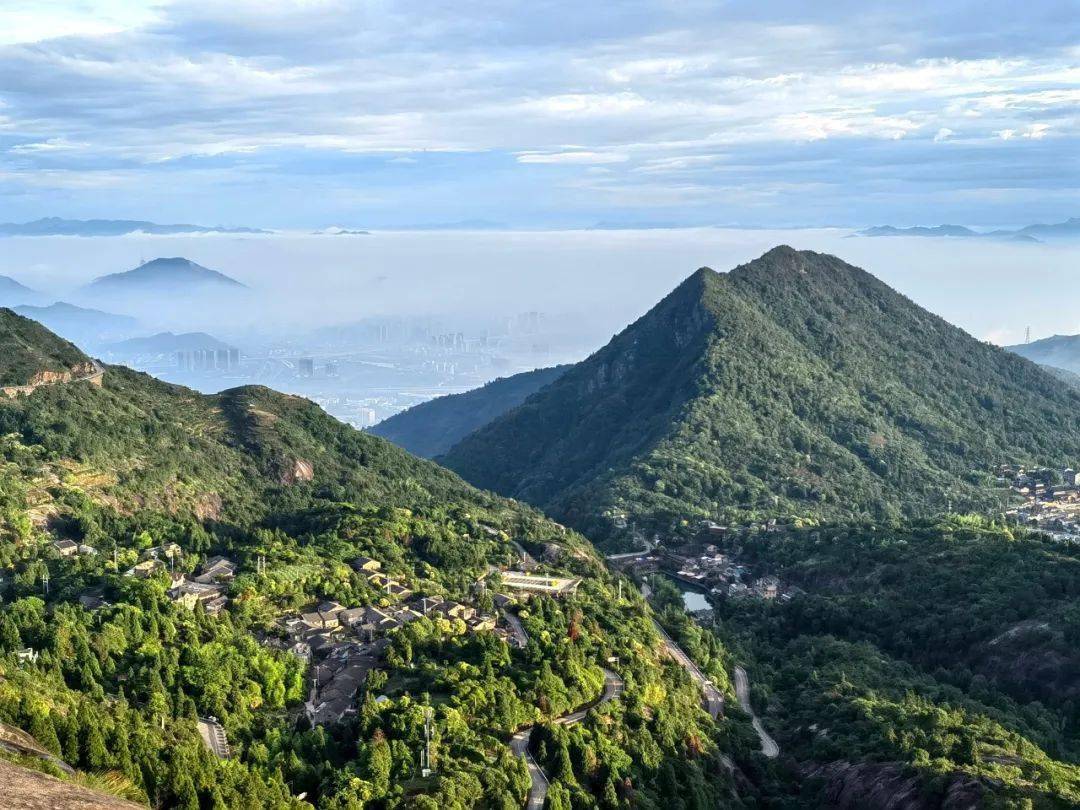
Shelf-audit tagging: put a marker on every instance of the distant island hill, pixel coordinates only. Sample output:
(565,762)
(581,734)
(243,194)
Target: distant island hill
(1069,229)
(56,226)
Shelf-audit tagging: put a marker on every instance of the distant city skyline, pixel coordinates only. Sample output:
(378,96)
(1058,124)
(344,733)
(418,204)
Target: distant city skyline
(290,114)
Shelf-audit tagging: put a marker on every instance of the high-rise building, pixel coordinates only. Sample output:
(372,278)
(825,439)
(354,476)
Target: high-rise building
(307,367)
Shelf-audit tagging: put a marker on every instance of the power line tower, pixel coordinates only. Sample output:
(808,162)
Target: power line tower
(1027,335)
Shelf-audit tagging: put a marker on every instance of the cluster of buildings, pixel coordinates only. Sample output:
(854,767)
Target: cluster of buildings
(722,576)
(207,588)
(1051,499)
(208,360)
(345,643)
(69,548)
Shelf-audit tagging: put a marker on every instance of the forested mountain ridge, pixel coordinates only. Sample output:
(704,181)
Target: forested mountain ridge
(108,494)
(433,427)
(797,385)
(29,351)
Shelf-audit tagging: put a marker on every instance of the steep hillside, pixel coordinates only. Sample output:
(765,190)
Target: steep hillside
(114,496)
(29,352)
(795,384)
(430,429)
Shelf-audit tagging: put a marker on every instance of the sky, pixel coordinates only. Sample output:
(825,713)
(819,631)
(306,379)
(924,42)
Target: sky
(540,114)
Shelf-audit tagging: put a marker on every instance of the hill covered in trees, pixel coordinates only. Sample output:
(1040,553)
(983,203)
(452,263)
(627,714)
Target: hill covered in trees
(28,350)
(108,494)
(934,658)
(795,385)
(432,428)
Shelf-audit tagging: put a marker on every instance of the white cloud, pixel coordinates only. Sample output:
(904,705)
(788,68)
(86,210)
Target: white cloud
(647,95)
(29,21)
(574,156)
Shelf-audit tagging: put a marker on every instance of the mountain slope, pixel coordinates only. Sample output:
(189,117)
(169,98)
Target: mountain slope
(795,384)
(86,327)
(28,350)
(160,276)
(101,664)
(432,428)
(13,293)
(1062,351)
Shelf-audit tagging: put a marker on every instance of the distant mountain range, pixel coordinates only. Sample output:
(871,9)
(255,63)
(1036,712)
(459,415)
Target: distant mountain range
(1070,228)
(1060,351)
(55,226)
(13,293)
(89,328)
(432,428)
(162,276)
(796,384)
(166,343)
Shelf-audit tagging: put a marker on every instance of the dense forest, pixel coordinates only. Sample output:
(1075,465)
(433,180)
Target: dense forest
(28,348)
(433,427)
(936,657)
(110,673)
(796,386)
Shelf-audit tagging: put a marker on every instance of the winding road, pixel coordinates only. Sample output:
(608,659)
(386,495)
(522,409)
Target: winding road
(769,746)
(93,377)
(519,743)
(711,696)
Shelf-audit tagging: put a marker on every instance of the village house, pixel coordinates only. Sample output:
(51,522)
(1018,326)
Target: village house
(190,593)
(216,569)
(767,587)
(169,551)
(145,569)
(65,548)
(366,564)
(317,620)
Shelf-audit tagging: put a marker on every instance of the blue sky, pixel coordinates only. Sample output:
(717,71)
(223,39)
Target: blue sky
(308,113)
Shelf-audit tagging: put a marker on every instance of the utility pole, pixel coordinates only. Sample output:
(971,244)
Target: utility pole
(1027,335)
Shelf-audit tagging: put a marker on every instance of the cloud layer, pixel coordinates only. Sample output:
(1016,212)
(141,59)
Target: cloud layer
(311,112)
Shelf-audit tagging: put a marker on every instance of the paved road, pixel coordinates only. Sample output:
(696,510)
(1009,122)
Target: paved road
(711,696)
(742,690)
(24,390)
(516,630)
(613,687)
(519,743)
